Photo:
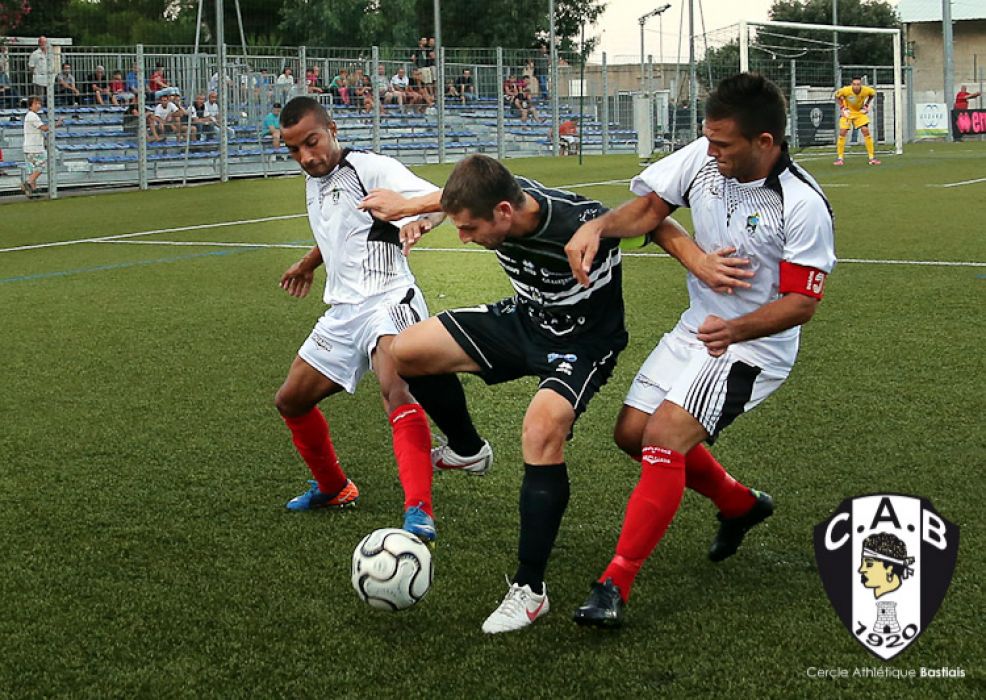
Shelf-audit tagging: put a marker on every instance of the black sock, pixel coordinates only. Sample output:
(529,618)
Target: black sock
(443,399)
(543,499)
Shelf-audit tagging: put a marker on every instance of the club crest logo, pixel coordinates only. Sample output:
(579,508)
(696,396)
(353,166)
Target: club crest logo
(752,221)
(886,561)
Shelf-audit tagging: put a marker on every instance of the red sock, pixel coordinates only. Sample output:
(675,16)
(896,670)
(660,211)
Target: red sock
(706,476)
(652,506)
(310,434)
(412,448)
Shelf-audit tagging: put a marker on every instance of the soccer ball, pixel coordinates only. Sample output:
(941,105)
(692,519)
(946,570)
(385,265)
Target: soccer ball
(392,569)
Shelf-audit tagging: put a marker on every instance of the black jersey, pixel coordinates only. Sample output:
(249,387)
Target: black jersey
(540,274)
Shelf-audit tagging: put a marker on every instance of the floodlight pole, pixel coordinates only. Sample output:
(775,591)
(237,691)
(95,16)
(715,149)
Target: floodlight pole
(946,25)
(835,45)
(692,74)
(642,21)
(555,98)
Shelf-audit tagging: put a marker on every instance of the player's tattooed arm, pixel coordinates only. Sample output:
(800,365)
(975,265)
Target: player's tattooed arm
(391,206)
(297,279)
(718,269)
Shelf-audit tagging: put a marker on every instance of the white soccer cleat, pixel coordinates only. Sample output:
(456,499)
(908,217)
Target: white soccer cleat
(520,607)
(444,459)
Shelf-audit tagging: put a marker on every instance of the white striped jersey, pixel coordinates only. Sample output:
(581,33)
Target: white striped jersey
(541,277)
(362,254)
(784,217)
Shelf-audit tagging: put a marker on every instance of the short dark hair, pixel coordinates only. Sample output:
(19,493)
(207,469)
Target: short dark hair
(856,77)
(32,99)
(298,107)
(754,102)
(478,183)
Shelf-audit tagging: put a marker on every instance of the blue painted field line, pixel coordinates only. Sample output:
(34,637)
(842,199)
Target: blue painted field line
(122,266)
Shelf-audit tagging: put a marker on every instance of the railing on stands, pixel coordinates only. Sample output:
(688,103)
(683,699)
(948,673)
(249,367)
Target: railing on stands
(100,139)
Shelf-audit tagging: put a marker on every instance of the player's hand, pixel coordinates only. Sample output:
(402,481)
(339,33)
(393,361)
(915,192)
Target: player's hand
(384,204)
(722,272)
(581,250)
(297,279)
(845,112)
(717,335)
(865,109)
(411,233)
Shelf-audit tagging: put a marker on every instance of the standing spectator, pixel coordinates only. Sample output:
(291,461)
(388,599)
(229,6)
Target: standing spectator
(962,98)
(429,69)
(362,91)
(34,144)
(8,94)
(66,91)
(42,65)
(542,63)
(284,85)
(530,79)
(272,125)
(263,86)
(99,87)
(419,56)
(464,86)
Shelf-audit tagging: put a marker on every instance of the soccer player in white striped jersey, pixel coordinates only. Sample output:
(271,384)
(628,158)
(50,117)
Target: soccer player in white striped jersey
(372,296)
(728,352)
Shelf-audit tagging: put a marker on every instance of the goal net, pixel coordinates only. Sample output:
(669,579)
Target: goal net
(809,62)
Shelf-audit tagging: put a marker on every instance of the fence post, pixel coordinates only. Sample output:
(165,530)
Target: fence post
(793,104)
(501,146)
(440,86)
(142,121)
(223,89)
(51,147)
(375,57)
(605,114)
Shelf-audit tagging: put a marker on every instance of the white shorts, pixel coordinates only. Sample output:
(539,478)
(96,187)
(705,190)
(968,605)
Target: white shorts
(715,390)
(345,337)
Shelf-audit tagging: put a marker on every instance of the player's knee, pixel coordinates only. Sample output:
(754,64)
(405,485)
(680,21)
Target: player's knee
(289,404)
(544,441)
(406,360)
(627,438)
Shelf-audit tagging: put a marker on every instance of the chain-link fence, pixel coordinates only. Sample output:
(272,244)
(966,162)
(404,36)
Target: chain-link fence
(140,115)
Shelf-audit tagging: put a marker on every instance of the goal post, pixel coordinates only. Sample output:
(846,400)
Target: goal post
(893,34)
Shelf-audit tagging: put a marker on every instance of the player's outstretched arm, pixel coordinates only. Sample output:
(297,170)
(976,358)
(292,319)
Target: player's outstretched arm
(718,269)
(637,217)
(391,206)
(787,312)
(297,279)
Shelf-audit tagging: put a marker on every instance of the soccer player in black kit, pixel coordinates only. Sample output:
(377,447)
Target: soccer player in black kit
(554,328)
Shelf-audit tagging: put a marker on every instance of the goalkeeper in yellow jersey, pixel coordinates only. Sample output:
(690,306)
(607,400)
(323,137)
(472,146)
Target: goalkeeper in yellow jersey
(854,104)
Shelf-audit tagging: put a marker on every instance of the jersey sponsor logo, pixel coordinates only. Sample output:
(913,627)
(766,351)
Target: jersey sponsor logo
(886,561)
(568,357)
(587,214)
(565,368)
(322,342)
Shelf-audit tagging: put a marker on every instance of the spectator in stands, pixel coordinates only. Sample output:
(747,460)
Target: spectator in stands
(118,89)
(510,91)
(35,151)
(272,125)
(9,96)
(66,91)
(263,86)
(384,89)
(399,84)
(167,116)
(524,106)
(362,91)
(207,125)
(465,89)
(339,87)
(157,82)
(42,65)
(963,96)
(568,137)
(542,62)
(314,81)
(99,87)
(419,56)
(450,90)
(530,79)
(284,85)
(418,93)
(429,70)
(131,120)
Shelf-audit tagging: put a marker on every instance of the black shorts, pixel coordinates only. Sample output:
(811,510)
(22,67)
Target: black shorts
(507,345)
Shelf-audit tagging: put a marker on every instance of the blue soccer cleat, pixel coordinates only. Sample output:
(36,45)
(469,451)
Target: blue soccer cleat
(419,523)
(314,499)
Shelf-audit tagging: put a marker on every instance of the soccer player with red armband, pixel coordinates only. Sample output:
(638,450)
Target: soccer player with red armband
(732,347)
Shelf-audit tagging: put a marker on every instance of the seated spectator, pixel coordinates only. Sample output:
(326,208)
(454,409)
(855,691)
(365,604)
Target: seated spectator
(451,90)
(157,81)
(99,87)
(284,86)
(272,125)
(207,125)
(362,91)
(568,137)
(524,106)
(168,116)
(118,89)
(464,87)
(313,81)
(510,90)
(66,91)
(418,93)
(384,89)
(339,87)
(400,84)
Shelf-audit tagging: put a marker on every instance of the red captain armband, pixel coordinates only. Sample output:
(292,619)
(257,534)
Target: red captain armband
(798,279)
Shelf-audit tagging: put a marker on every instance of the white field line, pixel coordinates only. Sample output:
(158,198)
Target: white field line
(427,249)
(963,182)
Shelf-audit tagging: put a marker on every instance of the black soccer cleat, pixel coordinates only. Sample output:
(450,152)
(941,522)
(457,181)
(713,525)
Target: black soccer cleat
(733,530)
(603,607)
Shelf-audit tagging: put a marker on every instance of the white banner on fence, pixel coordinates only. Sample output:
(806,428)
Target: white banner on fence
(931,120)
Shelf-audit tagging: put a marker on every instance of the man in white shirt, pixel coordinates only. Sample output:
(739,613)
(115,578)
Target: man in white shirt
(728,352)
(42,65)
(372,296)
(35,152)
